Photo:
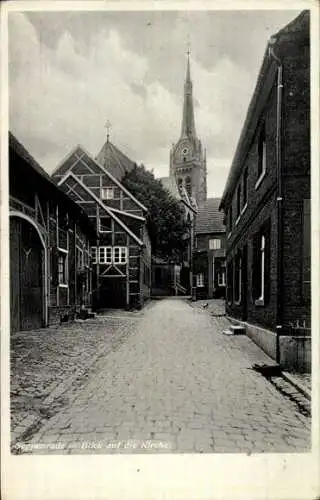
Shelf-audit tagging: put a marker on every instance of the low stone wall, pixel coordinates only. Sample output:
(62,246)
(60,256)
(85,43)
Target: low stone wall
(295,350)
(58,314)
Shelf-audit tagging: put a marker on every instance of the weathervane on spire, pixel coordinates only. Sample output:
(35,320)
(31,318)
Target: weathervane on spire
(108,127)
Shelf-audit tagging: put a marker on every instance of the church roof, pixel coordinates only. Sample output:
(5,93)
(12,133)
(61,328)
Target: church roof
(113,160)
(170,184)
(188,128)
(208,218)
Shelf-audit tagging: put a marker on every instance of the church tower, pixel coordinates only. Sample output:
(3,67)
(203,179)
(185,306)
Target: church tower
(187,157)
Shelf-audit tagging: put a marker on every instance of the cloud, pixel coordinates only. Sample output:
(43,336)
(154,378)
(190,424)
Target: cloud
(62,92)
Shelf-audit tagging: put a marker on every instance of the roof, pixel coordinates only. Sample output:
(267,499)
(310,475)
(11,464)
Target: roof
(113,160)
(208,218)
(22,152)
(263,86)
(170,184)
(79,153)
(16,146)
(181,194)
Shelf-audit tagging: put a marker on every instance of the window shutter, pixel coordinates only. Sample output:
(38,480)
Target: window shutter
(54,266)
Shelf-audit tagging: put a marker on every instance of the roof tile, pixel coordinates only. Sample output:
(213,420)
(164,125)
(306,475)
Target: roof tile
(208,218)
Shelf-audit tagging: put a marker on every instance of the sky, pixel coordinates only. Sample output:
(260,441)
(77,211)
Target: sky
(70,72)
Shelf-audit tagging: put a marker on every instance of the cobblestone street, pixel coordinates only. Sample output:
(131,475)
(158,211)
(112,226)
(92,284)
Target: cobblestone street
(174,383)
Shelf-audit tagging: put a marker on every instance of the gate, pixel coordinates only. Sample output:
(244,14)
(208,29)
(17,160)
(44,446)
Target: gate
(26,276)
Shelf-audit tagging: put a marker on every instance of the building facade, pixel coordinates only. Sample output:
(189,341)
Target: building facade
(209,251)
(266,203)
(121,255)
(50,241)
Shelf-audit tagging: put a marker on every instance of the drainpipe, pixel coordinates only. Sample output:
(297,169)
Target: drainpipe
(279,326)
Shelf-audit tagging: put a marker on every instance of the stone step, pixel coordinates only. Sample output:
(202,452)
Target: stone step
(238,329)
(235,330)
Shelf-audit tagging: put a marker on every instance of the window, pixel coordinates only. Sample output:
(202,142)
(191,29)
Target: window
(200,282)
(260,271)
(62,268)
(188,186)
(237,279)
(94,255)
(112,255)
(105,225)
(238,201)
(79,258)
(119,255)
(107,193)
(214,244)
(306,264)
(262,155)
(245,189)
(221,278)
(105,255)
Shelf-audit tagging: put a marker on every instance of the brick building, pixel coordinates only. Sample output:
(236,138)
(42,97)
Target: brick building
(121,254)
(209,251)
(50,240)
(266,202)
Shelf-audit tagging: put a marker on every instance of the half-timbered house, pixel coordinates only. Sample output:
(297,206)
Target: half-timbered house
(121,255)
(50,240)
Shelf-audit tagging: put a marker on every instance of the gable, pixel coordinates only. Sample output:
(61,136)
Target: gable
(73,186)
(96,177)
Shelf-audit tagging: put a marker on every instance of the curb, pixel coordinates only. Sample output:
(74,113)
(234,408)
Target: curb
(297,384)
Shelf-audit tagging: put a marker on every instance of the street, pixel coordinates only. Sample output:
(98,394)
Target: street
(174,384)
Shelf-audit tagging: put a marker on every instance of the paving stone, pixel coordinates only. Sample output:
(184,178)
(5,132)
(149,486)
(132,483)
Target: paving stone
(174,376)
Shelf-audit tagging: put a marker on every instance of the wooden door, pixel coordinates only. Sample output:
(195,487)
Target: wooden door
(26,276)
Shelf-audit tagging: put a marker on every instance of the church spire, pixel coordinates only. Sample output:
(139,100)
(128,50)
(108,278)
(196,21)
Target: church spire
(188,127)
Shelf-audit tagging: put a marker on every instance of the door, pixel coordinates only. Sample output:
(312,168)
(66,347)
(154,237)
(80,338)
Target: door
(26,259)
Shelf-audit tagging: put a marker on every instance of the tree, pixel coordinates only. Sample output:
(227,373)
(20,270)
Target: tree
(166,223)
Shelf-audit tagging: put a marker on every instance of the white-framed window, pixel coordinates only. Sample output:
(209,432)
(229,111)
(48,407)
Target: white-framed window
(119,255)
(94,255)
(109,255)
(107,193)
(221,278)
(262,266)
(200,280)
(214,244)
(105,255)
(62,268)
(79,258)
(105,224)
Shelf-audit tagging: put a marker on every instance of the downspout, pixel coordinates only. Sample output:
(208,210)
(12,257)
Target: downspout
(279,318)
